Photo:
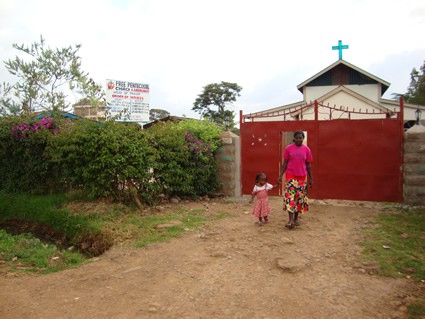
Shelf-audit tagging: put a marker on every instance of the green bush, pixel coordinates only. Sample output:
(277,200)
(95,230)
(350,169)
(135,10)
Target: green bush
(108,159)
(103,159)
(186,165)
(25,166)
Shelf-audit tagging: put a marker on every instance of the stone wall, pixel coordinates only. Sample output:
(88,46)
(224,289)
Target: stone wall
(414,166)
(228,165)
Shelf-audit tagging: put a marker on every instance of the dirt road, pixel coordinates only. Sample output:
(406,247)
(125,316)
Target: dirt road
(231,268)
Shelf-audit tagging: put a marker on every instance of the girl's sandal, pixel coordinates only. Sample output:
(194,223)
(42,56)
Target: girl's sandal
(260,223)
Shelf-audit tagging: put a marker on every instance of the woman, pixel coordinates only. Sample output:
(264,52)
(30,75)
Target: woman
(297,160)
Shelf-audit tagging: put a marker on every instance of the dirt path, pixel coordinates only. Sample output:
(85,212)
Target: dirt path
(229,269)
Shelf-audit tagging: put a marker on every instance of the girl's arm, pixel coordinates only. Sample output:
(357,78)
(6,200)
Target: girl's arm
(270,186)
(254,192)
(252,198)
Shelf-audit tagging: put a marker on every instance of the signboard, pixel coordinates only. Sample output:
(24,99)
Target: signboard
(128,101)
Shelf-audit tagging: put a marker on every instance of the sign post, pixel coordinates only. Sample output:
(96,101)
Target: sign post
(127,101)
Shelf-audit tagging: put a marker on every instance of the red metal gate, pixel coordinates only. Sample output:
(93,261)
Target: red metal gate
(352,159)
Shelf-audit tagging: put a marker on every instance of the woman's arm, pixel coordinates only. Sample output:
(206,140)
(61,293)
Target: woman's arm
(282,171)
(310,175)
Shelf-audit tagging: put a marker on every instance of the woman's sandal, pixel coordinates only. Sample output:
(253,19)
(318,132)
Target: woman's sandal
(289,225)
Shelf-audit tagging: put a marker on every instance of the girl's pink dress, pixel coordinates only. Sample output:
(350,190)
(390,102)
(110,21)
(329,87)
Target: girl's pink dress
(262,205)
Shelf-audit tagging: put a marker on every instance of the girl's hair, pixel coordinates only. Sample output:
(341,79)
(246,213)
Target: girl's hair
(299,132)
(260,176)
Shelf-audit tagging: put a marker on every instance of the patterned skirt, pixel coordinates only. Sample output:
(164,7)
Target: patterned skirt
(295,199)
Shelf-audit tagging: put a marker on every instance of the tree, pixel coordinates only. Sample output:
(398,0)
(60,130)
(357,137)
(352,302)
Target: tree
(157,114)
(7,105)
(416,90)
(44,77)
(220,95)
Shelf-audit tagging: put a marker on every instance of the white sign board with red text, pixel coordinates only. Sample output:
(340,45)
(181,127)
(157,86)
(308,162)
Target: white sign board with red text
(128,101)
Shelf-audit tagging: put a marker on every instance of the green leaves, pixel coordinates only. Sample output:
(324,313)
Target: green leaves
(416,89)
(108,159)
(220,95)
(44,77)
(187,165)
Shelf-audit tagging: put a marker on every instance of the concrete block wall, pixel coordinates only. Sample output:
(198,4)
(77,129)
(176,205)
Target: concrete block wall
(228,165)
(414,166)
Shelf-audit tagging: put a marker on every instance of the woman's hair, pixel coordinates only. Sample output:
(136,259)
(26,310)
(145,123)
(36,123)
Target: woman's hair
(260,176)
(299,132)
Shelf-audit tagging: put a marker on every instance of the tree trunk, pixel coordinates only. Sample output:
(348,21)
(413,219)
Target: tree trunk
(133,191)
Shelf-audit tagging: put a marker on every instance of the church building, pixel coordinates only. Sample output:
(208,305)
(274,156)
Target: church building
(343,91)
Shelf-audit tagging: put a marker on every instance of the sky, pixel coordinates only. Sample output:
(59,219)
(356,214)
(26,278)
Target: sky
(267,47)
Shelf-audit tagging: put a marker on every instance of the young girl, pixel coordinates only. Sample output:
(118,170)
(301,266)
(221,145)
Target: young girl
(262,206)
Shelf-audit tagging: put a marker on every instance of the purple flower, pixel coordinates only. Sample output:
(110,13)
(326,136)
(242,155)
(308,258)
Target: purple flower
(35,127)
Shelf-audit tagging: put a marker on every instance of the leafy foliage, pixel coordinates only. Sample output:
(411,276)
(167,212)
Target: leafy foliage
(44,76)
(186,165)
(103,158)
(220,95)
(108,159)
(416,90)
(24,163)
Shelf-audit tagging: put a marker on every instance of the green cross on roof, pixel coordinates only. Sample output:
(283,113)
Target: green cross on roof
(340,47)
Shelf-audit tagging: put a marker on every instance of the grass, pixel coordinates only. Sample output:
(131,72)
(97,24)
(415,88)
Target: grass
(150,233)
(126,226)
(397,242)
(141,230)
(27,253)
(416,310)
(46,209)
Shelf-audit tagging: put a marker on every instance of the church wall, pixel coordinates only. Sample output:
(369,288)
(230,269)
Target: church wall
(369,91)
(349,102)
(410,115)
(313,92)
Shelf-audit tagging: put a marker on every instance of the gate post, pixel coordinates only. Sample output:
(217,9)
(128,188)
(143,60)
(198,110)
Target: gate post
(414,166)
(228,159)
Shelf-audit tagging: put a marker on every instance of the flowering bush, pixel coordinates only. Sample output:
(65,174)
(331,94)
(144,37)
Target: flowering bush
(197,147)
(23,130)
(108,159)
(187,165)
(25,166)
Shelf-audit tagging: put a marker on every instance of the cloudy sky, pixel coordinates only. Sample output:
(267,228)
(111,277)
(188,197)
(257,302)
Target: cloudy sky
(268,47)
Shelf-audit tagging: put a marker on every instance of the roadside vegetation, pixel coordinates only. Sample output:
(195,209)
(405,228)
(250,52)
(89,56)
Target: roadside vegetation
(50,165)
(397,242)
(47,233)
